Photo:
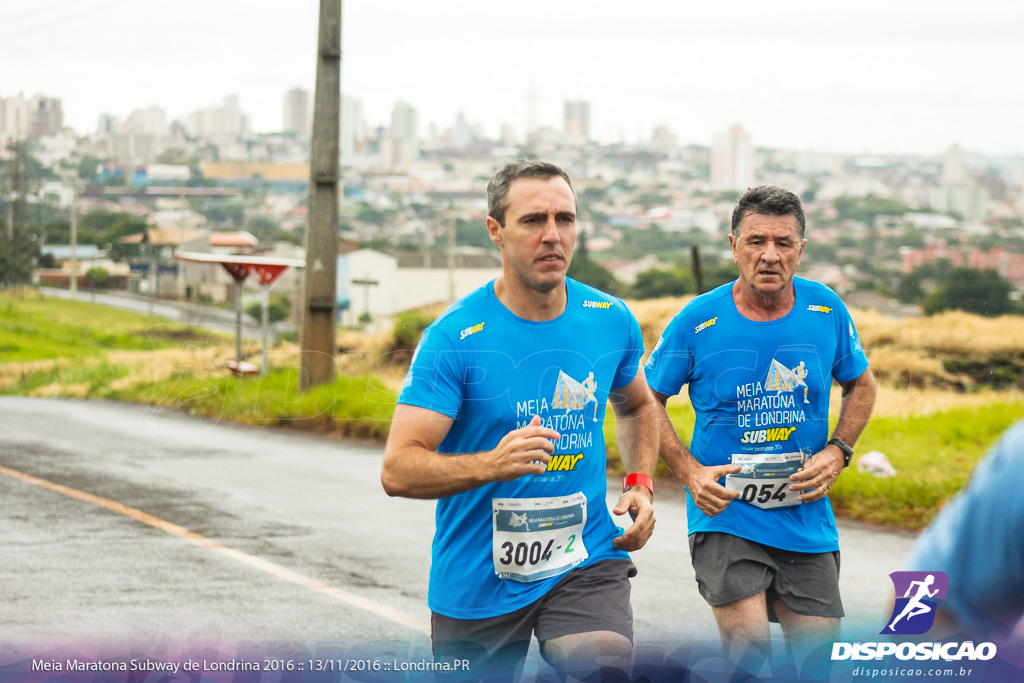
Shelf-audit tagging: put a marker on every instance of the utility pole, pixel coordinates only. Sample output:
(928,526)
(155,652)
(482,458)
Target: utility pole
(698,274)
(451,252)
(73,284)
(319,320)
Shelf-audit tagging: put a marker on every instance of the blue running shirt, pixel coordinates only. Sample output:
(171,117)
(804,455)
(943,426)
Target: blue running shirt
(760,387)
(492,371)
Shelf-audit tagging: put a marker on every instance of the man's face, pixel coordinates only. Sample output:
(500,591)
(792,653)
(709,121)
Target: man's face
(539,233)
(767,252)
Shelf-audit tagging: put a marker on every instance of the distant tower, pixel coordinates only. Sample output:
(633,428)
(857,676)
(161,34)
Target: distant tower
(46,116)
(732,160)
(297,114)
(17,118)
(954,167)
(404,128)
(353,128)
(462,134)
(577,121)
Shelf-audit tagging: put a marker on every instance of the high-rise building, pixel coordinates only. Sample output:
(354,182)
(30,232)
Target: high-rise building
(462,134)
(576,121)
(46,116)
(353,127)
(508,135)
(954,167)
(150,121)
(17,119)
(732,160)
(298,116)
(106,125)
(403,126)
(224,122)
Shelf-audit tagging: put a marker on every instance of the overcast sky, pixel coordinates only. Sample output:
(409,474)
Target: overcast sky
(867,76)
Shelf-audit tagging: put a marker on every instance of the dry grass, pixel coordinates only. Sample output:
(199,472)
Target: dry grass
(953,350)
(953,332)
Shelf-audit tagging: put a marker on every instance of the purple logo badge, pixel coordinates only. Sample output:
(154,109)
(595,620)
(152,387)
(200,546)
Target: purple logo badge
(917,596)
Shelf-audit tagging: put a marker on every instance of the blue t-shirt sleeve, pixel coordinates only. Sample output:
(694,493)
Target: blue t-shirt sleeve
(978,541)
(850,361)
(630,363)
(435,377)
(670,363)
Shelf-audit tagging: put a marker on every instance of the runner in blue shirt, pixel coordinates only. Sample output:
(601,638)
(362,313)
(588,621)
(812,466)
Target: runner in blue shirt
(759,356)
(501,420)
(978,541)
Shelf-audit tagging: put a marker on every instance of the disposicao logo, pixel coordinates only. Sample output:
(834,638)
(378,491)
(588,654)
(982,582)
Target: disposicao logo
(914,613)
(917,597)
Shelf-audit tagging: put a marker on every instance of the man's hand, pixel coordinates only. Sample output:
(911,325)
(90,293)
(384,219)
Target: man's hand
(637,502)
(818,475)
(526,450)
(710,496)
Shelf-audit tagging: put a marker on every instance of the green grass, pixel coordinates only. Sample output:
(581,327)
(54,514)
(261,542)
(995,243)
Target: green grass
(35,328)
(934,456)
(359,407)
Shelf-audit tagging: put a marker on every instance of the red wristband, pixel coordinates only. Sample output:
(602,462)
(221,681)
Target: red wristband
(637,478)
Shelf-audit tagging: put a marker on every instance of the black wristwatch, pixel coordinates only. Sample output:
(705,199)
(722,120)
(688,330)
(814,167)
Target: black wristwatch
(846,448)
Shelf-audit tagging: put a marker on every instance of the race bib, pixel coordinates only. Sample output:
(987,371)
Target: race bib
(764,480)
(535,538)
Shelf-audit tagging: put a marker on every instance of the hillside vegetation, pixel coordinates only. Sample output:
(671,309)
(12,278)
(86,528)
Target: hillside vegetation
(949,385)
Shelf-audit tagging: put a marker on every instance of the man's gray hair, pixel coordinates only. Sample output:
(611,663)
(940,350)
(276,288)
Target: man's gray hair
(497,189)
(768,200)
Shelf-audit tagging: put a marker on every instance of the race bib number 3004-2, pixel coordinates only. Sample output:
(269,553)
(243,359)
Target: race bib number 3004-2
(764,480)
(535,538)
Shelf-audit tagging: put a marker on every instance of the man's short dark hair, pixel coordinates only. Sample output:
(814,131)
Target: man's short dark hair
(497,189)
(768,200)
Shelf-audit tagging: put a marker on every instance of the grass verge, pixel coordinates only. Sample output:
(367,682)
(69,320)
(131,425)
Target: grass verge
(51,347)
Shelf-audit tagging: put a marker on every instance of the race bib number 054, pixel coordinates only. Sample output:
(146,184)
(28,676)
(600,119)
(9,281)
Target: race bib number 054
(535,538)
(764,481)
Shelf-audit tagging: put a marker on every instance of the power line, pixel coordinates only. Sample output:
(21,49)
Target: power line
(38,11)
(61,20)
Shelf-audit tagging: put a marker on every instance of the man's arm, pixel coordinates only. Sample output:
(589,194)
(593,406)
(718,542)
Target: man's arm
(636,430)
(822,470)
(414,469)
(702,482)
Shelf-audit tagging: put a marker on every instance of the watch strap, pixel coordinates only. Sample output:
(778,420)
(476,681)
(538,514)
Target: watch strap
(846,448)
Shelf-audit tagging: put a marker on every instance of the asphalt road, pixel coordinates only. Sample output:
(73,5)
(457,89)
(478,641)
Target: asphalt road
(188,533)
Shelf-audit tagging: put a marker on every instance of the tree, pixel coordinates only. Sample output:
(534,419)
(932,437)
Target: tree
(657,282)
(594,274)
(984,292)
(88,168)
(471,234)
(725,272)
(17,255)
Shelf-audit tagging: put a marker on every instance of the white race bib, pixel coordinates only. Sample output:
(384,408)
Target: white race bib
(764,480)
(535,538)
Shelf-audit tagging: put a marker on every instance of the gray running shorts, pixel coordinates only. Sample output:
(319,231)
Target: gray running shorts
(590,598)
(729,568)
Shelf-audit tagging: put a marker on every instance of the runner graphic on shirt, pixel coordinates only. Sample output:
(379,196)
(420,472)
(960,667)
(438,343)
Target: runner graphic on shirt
(780,378)
(573,395)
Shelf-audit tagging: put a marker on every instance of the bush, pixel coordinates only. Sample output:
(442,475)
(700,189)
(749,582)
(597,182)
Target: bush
(98,277)
(656,283)
(279,309)
(408,329)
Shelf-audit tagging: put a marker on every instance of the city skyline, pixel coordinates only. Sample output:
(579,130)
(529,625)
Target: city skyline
(912,78)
